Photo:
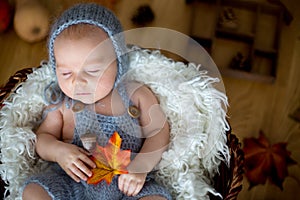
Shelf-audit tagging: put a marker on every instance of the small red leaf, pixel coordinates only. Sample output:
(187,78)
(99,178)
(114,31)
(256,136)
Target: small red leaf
(265,161)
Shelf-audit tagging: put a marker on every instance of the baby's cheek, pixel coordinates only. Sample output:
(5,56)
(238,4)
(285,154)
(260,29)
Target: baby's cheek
(68,90)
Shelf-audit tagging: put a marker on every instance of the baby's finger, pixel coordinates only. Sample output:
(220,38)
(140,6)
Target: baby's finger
(82,170)
(123,185)
(77,172)
(84,151)
(73,176)
(131,189)
(120,183)
(86,159)
(137,189)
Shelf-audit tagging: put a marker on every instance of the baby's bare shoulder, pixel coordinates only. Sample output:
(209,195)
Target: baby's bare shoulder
(138,91)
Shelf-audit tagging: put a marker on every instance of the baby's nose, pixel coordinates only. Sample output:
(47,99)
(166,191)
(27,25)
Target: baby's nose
(80,81)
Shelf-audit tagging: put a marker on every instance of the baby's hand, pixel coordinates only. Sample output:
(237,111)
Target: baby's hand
(131,184)
(75,161)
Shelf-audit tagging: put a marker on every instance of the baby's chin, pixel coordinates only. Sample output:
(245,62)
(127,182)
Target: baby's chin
(85,100)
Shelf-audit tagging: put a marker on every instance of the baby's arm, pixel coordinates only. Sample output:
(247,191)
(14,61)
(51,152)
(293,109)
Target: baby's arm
(50,147)
(156,131)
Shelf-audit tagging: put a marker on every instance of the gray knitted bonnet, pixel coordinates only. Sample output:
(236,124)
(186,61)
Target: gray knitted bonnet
(94,14)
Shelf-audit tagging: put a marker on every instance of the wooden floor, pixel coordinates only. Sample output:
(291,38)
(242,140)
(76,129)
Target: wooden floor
(253,106)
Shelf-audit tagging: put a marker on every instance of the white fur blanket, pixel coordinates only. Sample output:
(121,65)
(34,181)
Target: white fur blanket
(195,109)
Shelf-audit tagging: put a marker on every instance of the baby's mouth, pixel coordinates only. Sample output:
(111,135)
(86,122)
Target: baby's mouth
(83,94)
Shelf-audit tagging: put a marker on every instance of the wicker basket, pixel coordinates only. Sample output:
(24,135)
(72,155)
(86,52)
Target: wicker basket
(228,182)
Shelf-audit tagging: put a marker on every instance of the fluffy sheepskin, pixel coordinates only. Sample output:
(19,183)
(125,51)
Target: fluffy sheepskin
(195,110)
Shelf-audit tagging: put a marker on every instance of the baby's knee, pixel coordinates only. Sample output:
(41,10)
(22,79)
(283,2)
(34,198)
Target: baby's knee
(34,191)
(155,197)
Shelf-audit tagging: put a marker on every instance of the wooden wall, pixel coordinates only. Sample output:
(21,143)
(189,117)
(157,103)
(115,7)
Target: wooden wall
(258,106)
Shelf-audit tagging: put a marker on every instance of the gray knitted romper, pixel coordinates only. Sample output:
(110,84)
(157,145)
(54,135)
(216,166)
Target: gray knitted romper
(61,187)
(55,181)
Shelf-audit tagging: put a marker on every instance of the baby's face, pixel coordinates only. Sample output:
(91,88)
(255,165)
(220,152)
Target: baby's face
(86,68)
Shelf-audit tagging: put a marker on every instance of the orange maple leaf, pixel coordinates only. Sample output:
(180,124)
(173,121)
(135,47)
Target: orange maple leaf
(110,161)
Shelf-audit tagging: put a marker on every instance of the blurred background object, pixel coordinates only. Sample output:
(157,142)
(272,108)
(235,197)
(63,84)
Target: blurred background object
(143,15)
(6,13)
(31,20)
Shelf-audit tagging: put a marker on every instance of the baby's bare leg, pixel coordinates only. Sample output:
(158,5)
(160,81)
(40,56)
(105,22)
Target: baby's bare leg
(35,192)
